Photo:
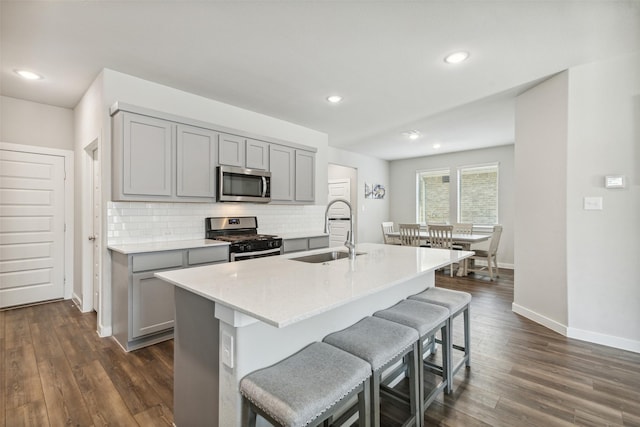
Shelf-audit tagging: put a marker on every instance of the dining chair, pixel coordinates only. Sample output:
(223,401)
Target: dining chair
(387,227)
(462,228)
(489,256)
(441,236)
(409,234)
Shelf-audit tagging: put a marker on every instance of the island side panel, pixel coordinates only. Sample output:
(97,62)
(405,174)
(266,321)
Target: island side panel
(195,366)
(259,345)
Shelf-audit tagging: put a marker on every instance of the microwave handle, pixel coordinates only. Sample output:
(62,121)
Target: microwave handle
(264,186)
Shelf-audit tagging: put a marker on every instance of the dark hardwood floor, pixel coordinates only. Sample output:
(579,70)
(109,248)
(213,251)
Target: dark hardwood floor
(56,371)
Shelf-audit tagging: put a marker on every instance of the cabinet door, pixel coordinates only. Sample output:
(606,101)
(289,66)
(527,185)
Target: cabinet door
(152,305)
(195,162)
(231,150)
(281,165)
(257,154)
(305,176)
(147,156)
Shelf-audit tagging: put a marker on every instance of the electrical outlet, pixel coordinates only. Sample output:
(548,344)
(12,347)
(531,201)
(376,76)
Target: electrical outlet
(227,349)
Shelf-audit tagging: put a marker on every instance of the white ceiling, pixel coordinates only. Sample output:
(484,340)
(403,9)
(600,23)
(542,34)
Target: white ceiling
(282,58)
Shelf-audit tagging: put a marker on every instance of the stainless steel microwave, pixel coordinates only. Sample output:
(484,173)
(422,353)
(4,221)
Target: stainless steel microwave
(243,185)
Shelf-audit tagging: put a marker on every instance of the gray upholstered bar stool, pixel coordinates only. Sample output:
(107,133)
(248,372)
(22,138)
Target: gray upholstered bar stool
(307,388)
(427,320)
(457,302)
(382,343)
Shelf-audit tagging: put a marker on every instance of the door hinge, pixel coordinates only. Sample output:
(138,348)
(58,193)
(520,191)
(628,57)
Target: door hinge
(65,227)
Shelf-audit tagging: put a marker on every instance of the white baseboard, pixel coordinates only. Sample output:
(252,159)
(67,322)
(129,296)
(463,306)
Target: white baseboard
(104,331)
(540,319)
(608,340)
(579,334)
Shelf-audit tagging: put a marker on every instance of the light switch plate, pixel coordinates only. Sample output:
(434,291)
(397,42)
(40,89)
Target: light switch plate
(227,349)
(593,203)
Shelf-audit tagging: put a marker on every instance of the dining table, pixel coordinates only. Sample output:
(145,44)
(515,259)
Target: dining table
(461,240)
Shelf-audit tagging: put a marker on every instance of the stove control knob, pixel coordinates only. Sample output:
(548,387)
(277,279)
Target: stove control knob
(248,247)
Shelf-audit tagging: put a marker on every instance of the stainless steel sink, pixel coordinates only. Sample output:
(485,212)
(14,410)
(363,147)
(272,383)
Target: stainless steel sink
(324,257)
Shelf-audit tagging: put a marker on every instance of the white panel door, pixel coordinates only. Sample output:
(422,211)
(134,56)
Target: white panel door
(338,229)
(31,227)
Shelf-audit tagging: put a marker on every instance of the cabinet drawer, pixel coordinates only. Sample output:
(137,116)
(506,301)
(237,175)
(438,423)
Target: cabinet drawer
(294,245)
(156,261)
(207,255)
(318,242)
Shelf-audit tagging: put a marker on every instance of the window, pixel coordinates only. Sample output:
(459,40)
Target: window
(433,196)
(478,194)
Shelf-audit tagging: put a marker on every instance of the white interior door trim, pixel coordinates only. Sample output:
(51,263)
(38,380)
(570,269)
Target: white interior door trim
(85,300)
(68,204)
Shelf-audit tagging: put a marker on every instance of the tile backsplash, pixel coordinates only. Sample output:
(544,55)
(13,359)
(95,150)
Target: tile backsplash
(140,222)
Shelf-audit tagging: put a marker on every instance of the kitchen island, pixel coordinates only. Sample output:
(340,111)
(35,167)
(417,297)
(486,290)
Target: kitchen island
(234,318)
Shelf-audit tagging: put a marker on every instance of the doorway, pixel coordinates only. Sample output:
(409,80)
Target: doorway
(33,226)
(342,185)
(91,229)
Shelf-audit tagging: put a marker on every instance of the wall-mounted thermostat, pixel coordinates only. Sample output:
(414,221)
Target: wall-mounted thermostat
(614,181)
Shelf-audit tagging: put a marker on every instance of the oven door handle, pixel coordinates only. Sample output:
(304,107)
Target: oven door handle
(240,255)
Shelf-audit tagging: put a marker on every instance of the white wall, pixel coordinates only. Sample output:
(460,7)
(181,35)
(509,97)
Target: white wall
(576,268)
(403,189)
(603,249)
(31,123)
(540,282)
(371,212)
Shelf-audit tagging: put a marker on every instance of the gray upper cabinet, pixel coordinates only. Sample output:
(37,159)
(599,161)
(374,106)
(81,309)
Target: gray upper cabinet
(147,163)
(231,150)
(282,167)
(160,160)
(158,157)
(292,174)
(237,151)
(195,161)
(305,176)
(257,154)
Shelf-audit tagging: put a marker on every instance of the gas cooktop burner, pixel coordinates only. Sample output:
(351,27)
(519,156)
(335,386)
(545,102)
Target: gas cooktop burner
(245,237)
(242,235)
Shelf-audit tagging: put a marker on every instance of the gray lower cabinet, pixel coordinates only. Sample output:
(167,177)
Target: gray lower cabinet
(143,305)
(304,244)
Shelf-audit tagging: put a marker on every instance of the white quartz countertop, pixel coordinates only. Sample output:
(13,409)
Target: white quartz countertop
(132,248)
(280,291)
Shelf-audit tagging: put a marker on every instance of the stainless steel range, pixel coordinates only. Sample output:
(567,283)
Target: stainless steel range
(242,234)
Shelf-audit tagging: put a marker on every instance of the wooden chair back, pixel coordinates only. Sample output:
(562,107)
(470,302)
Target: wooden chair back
(387,227)
(409,234)
(441,236)
(462,228)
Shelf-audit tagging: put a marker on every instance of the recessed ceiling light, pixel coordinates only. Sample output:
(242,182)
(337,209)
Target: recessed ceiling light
(334,99)
(456,57)
(436,146)
(412,134)
(29,75)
